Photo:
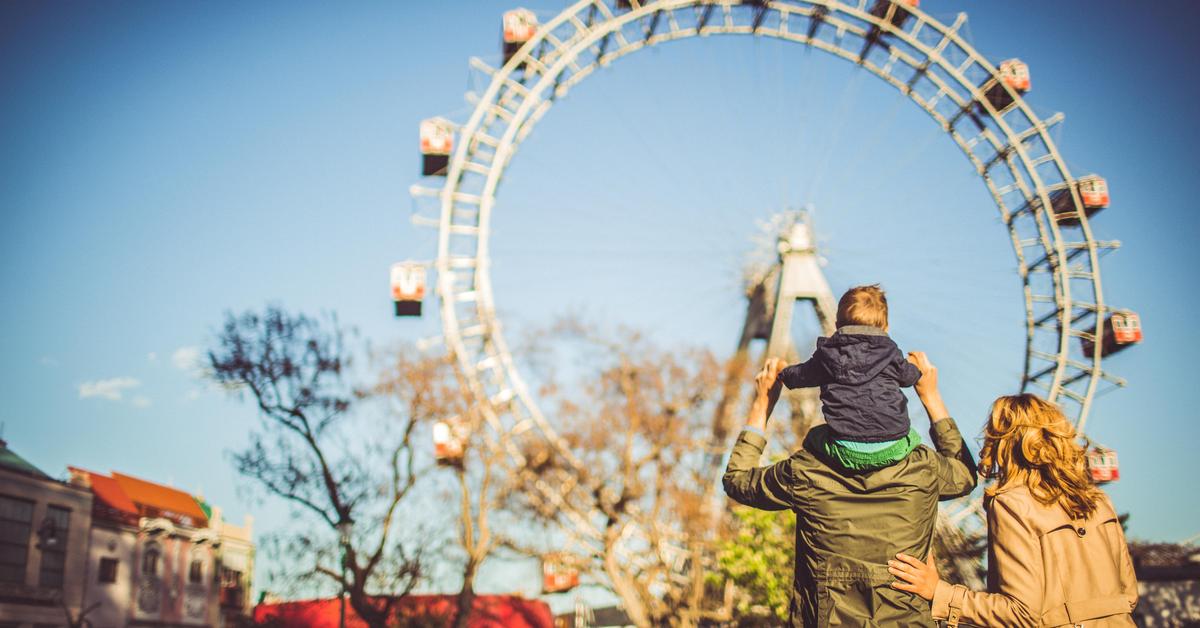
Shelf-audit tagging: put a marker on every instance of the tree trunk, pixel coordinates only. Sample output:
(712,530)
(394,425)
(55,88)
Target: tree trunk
(627,591)
(466,597)
(367,612)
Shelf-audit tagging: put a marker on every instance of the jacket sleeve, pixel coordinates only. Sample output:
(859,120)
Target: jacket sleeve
(1124,562)
(765,488)
(804,375)
(907,373)
(1016,576)
(956,471)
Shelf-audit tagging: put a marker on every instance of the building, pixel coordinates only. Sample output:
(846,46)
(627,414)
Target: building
(488,611)
(159,556)
(43,545)
(235,555)
(1168,584)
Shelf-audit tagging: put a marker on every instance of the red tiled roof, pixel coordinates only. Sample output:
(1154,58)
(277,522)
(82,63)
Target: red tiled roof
(489,611)
(156,500)
(108,491)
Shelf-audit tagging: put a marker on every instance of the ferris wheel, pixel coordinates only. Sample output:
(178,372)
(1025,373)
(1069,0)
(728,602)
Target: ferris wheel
(1047,210)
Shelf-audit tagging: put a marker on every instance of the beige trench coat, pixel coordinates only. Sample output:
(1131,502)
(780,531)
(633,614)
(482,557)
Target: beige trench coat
(1045,569)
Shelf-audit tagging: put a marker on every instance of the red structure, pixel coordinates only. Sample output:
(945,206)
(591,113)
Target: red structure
(408,288)
(1103,465)
(1015,74)
(520,25)
(894,12)
(1121,330)
(1093,192)
(558,575)
(488,611)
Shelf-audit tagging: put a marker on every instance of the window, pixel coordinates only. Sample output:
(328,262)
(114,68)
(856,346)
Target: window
(196,572)
(52,540)
(150,561)
(231,577)
(16,524)
(108,570)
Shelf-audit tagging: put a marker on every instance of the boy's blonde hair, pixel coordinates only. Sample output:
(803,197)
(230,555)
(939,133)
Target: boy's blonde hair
(863,305)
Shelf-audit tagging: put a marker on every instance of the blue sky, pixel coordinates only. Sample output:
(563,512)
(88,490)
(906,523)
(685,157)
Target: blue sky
(164,163)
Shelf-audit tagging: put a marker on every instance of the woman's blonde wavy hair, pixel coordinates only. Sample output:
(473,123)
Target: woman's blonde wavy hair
(1028,441)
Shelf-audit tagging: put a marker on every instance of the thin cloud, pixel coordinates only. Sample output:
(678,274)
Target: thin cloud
(140,402)
(152,356)
(111,389)
(47,361)
(186,358)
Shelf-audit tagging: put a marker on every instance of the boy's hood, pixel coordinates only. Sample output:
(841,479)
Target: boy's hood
(855,354)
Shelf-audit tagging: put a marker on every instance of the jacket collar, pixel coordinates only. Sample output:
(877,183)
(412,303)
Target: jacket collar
(861,330)
(1045,518)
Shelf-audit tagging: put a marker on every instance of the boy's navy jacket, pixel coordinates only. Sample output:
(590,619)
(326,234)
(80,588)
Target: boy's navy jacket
(860,371)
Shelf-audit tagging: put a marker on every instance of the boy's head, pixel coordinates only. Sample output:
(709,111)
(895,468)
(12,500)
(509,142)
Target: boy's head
(863,305)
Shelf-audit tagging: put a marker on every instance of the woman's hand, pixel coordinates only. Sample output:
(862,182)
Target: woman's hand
(914,576)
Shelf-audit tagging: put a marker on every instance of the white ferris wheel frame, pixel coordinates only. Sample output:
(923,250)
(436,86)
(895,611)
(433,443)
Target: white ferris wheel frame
(930,62)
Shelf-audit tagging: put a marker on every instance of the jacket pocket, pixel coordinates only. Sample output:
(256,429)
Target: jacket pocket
(851,592)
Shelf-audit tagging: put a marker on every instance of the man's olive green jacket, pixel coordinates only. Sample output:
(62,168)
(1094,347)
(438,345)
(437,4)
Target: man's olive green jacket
(848,524)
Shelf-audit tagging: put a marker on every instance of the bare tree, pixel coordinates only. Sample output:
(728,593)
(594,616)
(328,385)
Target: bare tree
(347,478)
(477,485)
(628,494)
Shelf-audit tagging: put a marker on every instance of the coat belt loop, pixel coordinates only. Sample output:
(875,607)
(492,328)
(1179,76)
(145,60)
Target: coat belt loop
(957,593)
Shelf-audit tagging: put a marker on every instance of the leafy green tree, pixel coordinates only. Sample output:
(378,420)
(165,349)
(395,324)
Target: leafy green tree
(758,557)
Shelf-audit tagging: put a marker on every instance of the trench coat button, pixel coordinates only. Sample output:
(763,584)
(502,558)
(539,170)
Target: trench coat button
(1081,532)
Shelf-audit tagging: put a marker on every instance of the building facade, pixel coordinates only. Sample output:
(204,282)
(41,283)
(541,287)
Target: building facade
(44,527)
(159,556)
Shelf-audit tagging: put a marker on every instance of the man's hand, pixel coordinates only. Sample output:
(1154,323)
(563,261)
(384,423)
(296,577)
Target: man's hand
(929,377)
(766,388)
(768,376)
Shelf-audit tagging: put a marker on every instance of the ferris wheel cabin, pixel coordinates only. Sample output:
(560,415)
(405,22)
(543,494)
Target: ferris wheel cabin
(437,142)
(1014,74)
(519,27)
(1121,330)
(558,575)
(895,13)
(448,442)
(1093,194)
(1102,465)
(408,288)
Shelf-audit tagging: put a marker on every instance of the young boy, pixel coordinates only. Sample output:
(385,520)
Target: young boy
(860,372)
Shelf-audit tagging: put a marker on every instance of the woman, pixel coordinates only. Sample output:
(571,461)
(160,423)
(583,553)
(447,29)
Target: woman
(1056,552)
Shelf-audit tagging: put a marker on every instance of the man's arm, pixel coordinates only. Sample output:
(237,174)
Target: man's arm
(804,375)
(956,471)
(765,488)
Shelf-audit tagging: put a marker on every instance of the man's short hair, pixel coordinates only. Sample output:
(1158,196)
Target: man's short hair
(863,305)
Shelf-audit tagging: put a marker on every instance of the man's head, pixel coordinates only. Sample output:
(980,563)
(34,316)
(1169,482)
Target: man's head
(863,305)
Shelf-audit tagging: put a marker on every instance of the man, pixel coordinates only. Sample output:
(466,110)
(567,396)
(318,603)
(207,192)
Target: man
(850,523)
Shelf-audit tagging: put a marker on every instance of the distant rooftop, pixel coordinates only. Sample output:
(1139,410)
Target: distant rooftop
(126,497)
(10,461)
